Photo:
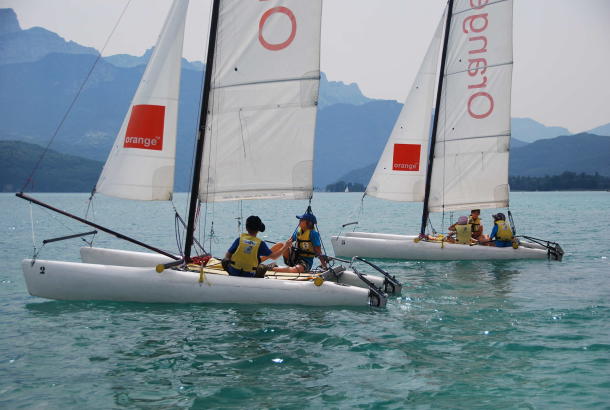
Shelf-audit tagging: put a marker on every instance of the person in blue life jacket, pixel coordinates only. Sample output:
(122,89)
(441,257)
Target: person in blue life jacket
(308,246)
(244,255)
(501,234)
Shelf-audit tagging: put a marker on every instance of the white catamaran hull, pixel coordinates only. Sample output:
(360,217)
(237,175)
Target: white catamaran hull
(103,256)
(389,246)
(119,257)
(85,281)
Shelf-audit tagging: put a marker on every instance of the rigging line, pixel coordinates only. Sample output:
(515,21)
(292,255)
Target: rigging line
(78,93)
(209,138)
(199,240)
(58,221)
(360,210)
(90,203)
(213,128)
(444,131)
(52,215)
(32,224)
(439,92)
(193,205)
(195,132)
(177,235)
(240,216)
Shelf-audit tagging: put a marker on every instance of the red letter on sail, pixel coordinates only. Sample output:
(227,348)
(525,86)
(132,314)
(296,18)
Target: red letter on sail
(406,157)
(293,29)
(145,128)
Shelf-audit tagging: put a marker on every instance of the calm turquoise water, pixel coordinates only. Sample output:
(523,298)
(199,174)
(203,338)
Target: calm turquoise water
(523,334)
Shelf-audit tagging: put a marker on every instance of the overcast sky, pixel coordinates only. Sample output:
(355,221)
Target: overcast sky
(561,48)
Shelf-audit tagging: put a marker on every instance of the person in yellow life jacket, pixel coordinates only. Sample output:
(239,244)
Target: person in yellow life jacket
(477,228)
(501,234)
(461,232)
(308,246)
(244,255)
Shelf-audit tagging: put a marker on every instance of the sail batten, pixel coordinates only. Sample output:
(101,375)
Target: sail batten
(142,160)
(260,130)
(280,80)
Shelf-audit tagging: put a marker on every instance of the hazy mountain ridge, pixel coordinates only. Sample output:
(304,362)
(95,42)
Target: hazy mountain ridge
(601,130)
(347,136)
(337,92)
(351,129)
(578,153)
(57,173)
(528,130)
(541,158)
(20,46)
(129,61)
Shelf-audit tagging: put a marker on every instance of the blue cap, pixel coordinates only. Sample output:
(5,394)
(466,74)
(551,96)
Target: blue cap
(308,217)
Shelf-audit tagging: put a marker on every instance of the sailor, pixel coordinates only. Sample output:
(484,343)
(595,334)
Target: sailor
(463,232)
(475,225)
(299,258)
(244,255)
(501,234)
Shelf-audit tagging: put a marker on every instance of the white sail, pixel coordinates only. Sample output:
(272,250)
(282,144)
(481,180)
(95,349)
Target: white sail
(470,168)
(264,90)
(400,174)
(141,163)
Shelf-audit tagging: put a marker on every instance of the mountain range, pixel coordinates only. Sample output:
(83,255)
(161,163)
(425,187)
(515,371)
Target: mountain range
(57,173)
(41,73)
(544,157)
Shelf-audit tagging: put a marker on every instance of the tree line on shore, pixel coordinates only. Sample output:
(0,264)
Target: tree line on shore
(568,181)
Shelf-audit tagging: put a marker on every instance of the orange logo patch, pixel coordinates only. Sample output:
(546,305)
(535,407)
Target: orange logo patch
(406,157)
(145,127)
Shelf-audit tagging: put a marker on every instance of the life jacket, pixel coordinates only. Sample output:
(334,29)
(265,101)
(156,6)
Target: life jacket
(504,231)
(245,257)
(475,224)
(463,234)
(304,243)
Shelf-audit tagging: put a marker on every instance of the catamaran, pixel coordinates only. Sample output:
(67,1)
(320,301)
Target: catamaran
(459,160)
(255,141)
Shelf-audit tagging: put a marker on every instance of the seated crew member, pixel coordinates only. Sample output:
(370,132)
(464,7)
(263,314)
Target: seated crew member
(244,255)
(477,228)
(462,231)
(308,246)
(501,234)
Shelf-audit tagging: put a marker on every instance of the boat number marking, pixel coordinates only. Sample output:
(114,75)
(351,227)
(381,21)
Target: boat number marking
(42,270)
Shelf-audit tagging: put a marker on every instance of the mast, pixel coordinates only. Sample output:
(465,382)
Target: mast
(190,229)
(439,92)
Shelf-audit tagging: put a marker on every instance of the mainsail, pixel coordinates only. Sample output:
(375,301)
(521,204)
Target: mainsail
(400,174)
(260,127)
(470,167)
(141,163)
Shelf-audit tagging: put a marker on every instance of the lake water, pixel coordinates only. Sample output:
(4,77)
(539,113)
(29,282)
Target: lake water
(513,334)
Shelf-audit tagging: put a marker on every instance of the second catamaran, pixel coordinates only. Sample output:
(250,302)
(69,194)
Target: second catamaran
(459,160)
